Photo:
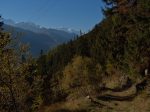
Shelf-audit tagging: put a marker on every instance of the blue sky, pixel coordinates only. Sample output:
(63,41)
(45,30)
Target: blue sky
(76,14)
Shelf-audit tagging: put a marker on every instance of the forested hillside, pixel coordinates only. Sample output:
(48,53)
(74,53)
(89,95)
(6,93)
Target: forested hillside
(105,70)
(116,51)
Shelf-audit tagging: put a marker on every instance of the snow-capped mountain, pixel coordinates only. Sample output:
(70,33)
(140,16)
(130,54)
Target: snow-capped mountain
(39,37)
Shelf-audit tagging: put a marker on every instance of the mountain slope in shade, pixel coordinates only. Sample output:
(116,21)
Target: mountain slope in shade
(41,38)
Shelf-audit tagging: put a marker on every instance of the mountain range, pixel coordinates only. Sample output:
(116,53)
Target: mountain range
(39,38)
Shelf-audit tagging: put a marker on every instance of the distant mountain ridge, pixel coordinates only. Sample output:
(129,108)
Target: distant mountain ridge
(39,38)
(37,28)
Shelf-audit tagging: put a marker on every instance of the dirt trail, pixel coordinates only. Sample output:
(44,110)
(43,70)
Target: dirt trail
(124,98)
(127,99)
